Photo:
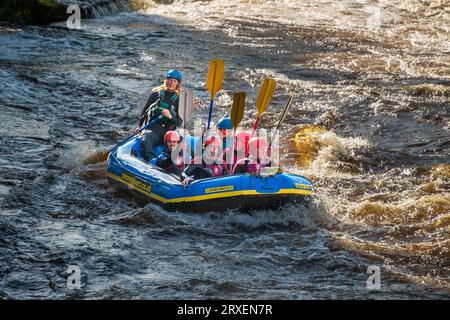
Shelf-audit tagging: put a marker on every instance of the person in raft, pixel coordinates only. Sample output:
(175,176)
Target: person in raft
(165,159)
(240,149)
(210,165)
(257,159)
(162,102)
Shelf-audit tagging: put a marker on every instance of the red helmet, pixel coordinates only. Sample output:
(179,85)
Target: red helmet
(213,140)
(171,136)
(242,140)
(257,146)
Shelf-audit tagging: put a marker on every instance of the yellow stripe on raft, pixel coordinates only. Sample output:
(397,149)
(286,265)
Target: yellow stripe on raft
(209,196)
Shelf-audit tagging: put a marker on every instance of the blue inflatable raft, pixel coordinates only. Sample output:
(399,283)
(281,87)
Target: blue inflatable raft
(242,191)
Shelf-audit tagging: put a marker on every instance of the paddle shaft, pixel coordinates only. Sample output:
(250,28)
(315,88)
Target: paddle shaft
(140,130)
(210,112)
(185,110)
(255,126)
(283,114)
(232,152)
(184,145)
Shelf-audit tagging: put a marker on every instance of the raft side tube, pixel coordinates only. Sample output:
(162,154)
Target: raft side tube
(226,192)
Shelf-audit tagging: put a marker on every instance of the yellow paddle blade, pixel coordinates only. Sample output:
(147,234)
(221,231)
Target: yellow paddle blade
(215,77)
(237,110)
(265,95)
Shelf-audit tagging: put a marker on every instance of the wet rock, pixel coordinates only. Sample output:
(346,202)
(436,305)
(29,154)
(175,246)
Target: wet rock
(143,4)
(36,12)
(41,12)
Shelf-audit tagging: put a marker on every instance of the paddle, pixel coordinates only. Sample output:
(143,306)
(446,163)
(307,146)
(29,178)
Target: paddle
(102,156)
(264,97)
(140,130)
(185,108)
(237,113)
(215,79)
(283,115)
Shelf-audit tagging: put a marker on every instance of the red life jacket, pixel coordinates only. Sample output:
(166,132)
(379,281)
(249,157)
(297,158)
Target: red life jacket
(215,168)
(253,167)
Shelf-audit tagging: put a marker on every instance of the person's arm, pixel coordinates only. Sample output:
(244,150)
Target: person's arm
(163,160)
(176,120)
(174,117)
(152,99)
(189,171)
(188,174)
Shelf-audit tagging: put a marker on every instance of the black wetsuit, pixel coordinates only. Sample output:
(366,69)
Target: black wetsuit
(202,170)
(175,121)
(164,161)
(153,135)
(250,167)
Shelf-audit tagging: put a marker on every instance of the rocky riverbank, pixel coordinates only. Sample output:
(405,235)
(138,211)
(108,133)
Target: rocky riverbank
(32,11)
(41,12)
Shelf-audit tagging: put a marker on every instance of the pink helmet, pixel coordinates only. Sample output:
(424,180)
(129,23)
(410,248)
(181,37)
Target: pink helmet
(215,141)
(242,140)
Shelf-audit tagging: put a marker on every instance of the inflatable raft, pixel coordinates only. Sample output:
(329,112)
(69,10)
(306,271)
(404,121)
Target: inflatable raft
(241,191)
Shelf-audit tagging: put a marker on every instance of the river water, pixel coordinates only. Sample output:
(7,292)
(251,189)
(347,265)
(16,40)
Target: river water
(370,126)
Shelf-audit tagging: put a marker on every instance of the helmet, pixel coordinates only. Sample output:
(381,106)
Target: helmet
(257,146)
(213,140)
(174,73)
(171,136)
(225,123)
(242,140)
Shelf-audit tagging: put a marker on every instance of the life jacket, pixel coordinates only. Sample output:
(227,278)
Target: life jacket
(216,169)
(156,108)
(165,158)
(160,151)
(136,150)
(179,162)
(253,167)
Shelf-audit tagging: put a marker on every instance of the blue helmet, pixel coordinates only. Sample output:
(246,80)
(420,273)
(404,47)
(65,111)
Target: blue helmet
(174,73)
(225,123)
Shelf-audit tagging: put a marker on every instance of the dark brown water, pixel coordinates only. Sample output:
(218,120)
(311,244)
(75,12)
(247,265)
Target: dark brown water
(370,126)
